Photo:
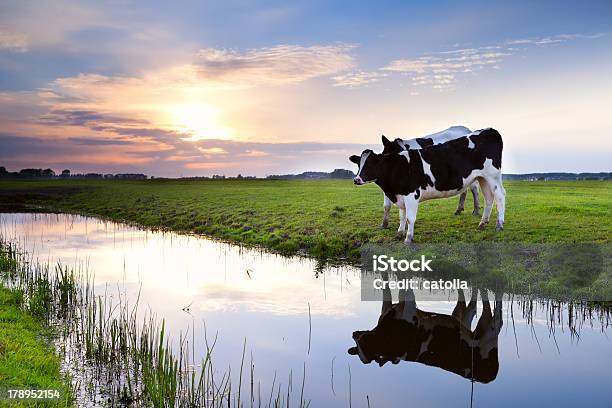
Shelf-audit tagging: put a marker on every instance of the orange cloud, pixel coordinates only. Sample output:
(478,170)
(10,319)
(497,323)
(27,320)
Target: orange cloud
(212,150)
(210,165)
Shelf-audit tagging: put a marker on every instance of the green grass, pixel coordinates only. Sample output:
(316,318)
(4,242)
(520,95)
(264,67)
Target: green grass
(27,360)
(323,218)
(120,359)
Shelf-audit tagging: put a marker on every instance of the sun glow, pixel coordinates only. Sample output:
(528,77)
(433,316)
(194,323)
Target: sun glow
(198,121)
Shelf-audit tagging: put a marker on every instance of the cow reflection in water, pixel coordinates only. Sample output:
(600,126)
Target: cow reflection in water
(405,332)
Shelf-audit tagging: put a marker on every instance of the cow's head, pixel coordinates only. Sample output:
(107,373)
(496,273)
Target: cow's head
(392,147)
(391,340)
(365,348)
(368,164)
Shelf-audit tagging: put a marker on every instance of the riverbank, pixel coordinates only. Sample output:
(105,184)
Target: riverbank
(27,358)
(320,218)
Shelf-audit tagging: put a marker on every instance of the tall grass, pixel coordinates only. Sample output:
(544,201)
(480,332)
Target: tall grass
(116,358)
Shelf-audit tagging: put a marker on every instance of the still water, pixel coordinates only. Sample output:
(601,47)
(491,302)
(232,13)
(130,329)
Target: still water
(295,314)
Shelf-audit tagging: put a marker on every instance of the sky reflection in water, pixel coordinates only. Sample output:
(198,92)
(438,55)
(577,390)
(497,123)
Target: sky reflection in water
(244,293)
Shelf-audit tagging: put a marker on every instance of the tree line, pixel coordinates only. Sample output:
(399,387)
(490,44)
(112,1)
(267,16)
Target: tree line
(65,174)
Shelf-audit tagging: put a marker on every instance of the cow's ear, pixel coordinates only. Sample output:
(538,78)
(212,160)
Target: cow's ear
(355,159)
(352,351)
(385,141)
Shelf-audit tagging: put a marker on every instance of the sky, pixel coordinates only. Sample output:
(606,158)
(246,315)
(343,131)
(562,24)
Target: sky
(196,88)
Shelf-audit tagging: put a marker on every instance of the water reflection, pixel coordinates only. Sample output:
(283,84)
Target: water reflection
(566,352)
(405,332)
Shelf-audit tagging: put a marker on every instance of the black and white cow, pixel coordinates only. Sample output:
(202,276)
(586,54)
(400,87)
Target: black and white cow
(443,136)
(408,177)
(406,333)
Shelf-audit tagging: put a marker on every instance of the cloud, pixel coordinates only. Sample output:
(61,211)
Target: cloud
(203,157)
(15,145)
(13,40)
(441,70)
(94,122)
(217,166)
(85,117)
(357,79)
(99,142)
(20,151)
(262,149)
(216,97)
(555,39)
(280,64)
(212,150)
(136,107)
(255,153)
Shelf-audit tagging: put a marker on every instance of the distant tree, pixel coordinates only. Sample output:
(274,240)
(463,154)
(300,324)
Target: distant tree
(133,176)
(341,174)
(65,173)
(239,176)
(48,173)
(30,173)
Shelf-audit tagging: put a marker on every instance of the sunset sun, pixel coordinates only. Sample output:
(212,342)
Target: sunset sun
(198,121)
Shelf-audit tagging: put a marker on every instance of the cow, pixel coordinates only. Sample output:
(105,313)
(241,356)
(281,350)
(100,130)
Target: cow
(405,332)
(399,145)
(443,136)
(408,177)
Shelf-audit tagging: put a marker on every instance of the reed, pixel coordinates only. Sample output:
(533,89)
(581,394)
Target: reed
(116,355)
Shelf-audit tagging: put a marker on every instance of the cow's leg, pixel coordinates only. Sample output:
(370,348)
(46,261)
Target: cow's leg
(409,309)
(460,307)
(486,318)
(386,207)
(461,205)
(465,314)
(470,311)
(402,218)
(412,205)
(387,300)
(474,190)
(487,192)
(488,327)
(497,312)
(500,200)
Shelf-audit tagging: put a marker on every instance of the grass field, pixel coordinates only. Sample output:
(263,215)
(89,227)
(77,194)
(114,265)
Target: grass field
(323,218)
(27,359)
